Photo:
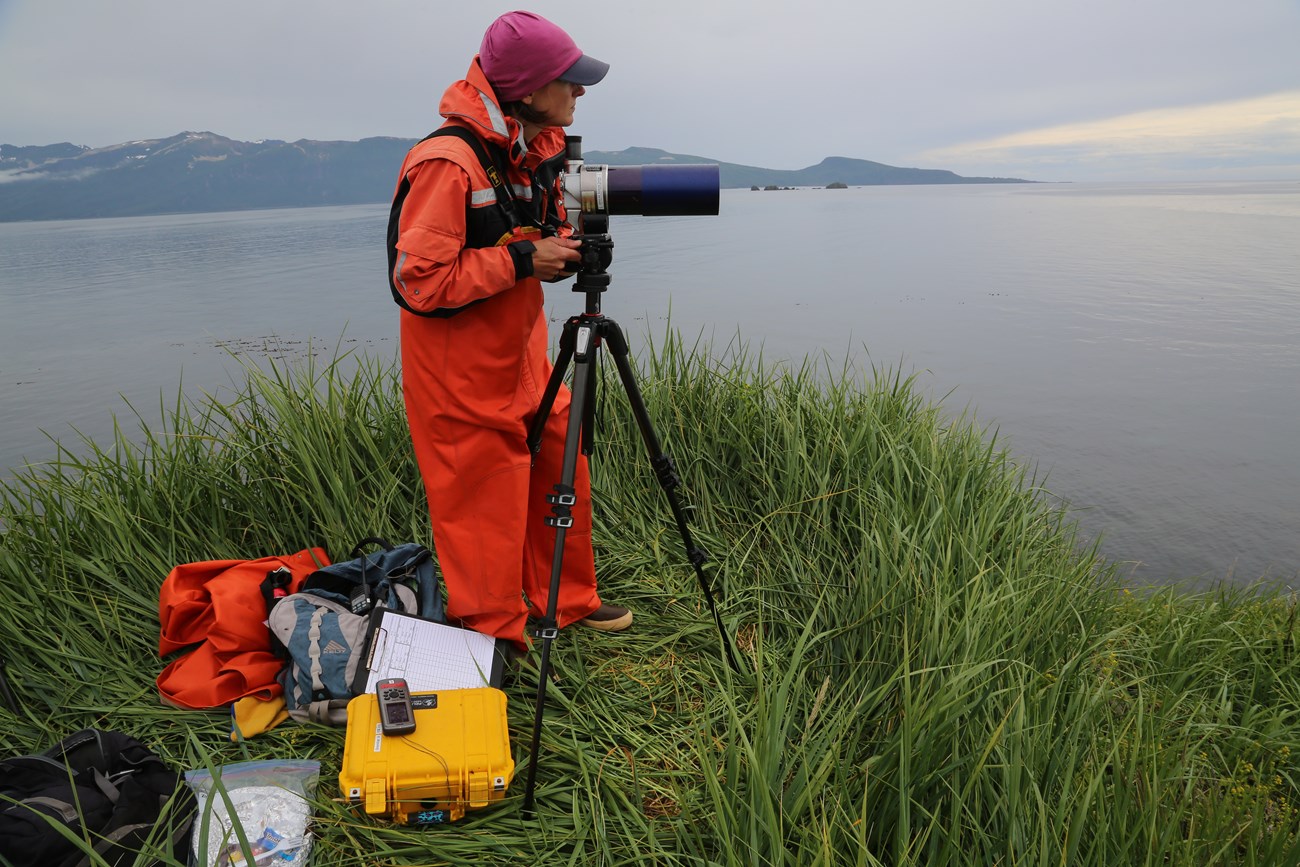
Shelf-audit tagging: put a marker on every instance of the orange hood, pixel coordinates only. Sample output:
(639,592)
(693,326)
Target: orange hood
(471,102)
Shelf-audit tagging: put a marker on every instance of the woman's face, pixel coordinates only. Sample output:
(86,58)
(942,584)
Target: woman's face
(555,102)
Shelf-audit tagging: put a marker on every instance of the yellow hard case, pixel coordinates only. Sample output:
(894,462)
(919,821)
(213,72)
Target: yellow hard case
(457,759)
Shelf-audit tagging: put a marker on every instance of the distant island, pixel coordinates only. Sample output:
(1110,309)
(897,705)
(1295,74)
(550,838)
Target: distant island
(196,172)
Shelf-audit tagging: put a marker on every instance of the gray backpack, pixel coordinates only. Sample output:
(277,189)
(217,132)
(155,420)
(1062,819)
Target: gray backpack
(322,629)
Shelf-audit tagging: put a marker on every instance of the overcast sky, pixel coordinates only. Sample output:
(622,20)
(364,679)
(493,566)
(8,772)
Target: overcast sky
(1044,89)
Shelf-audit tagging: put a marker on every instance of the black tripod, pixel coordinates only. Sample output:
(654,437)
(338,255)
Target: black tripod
(581,339)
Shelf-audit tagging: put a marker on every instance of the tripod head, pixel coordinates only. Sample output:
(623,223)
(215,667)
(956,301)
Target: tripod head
(597,253)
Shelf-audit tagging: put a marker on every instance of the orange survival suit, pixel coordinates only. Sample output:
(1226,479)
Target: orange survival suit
(474,350)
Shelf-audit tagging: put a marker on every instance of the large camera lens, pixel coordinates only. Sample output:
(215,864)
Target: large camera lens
(647,191)
(659,191)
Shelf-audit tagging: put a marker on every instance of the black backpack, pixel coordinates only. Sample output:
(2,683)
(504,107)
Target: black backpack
(101,785)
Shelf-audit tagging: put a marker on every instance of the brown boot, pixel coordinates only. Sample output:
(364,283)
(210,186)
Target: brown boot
(608,618)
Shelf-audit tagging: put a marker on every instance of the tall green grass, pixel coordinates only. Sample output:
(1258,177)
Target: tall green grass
(934,669)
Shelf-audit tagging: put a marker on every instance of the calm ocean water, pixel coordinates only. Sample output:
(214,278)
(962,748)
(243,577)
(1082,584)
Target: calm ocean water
(1139,345)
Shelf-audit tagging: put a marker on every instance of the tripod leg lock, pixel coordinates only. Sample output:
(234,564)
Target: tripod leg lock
(564,495)
(546,633)
(562,502)
(666,472)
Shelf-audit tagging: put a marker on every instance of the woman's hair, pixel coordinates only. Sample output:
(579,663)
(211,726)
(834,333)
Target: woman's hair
(522,111)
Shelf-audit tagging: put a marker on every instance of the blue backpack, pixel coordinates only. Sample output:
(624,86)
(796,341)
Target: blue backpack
(323,628)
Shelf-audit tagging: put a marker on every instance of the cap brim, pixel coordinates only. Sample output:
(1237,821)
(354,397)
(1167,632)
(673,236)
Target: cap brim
(585,71)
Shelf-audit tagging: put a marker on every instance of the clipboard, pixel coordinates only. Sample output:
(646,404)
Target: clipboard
(430,656)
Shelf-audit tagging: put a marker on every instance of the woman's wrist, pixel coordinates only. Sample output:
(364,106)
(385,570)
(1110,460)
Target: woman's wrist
(521,253)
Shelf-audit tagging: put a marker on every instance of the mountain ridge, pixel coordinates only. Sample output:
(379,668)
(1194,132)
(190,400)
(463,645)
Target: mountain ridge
(198,172)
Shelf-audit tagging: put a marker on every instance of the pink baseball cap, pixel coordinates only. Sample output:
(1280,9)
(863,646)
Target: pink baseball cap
(522,51)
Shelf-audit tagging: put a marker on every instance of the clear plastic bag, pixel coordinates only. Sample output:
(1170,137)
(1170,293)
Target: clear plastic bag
(268,803)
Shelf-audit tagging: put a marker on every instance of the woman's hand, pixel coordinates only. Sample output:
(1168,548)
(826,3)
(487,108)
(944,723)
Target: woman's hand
(551,255)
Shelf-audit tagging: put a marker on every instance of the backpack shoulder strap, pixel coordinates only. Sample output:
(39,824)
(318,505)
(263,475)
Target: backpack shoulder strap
(505,202)
(489,156)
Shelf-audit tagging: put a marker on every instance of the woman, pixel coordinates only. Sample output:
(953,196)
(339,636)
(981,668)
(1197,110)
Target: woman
(467,258)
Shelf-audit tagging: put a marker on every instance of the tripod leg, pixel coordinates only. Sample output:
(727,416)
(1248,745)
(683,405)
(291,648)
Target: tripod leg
(589,405)
(561,519)
(665,472)
(568,339)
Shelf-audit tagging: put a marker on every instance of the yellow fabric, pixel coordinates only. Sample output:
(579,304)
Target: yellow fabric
(251,716)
